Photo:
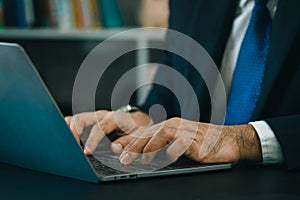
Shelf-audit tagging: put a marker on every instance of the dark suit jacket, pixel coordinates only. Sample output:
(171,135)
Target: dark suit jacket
(209,22)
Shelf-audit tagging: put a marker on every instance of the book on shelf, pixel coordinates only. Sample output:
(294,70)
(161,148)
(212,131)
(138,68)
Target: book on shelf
(86,6)
(60,14)
(96,14)
(1,14)
(63,14)
(86,14)
(29,13)
(111,14)
(18,13)
(78,14)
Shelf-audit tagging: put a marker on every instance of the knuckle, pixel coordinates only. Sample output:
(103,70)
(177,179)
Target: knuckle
(103,126)
(166,133)
(137,146)
(96,133)
(101,113)
(183,141)
(77,119)
(133,148)
(117,118)
(74,123)
(150,147)
(174,121)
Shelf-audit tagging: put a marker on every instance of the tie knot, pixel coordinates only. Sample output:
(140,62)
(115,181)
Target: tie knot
(261,2)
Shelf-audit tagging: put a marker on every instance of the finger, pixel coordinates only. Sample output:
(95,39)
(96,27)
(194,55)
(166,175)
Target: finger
(178,148)
(68,120)
(157,142)
(93,140)
(99,130)
(82,120)
(119,144)
(124,121)
(117,121)
(193,151)
(133,150)
(108,124)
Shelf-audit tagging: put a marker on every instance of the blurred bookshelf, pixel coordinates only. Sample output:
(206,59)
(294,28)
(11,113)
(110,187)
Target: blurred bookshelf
(61,14)
(59,34)
(70,19)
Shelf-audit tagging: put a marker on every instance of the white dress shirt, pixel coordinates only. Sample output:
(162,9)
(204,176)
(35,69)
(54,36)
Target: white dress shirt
(271,149)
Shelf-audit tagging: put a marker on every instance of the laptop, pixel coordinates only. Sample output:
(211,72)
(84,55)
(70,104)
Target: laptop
(35,136)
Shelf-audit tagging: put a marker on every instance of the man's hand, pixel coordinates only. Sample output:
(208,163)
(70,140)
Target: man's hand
(103,123)
(202,142)
(205,143)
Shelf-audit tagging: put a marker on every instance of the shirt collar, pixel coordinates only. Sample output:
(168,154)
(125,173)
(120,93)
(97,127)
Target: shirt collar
(244,2)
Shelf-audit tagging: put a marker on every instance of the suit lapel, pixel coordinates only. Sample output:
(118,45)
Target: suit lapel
(285,28)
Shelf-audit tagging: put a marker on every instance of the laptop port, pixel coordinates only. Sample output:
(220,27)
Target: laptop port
(132,176)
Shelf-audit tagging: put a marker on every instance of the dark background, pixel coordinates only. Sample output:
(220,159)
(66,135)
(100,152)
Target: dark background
(58,61)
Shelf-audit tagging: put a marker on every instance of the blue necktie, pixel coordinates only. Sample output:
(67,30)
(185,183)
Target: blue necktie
(250,67)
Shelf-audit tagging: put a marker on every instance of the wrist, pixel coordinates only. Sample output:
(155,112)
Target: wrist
(249,144)
(141,118)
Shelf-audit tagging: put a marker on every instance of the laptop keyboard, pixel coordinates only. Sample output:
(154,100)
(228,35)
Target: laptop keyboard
(102,169)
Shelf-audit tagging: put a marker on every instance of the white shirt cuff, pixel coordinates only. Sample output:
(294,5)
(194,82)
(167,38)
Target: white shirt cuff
(270,147)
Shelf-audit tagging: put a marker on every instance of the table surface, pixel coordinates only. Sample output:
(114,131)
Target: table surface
(251,182)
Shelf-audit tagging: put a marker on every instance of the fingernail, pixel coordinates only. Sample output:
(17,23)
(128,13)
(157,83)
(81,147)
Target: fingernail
(117,148)
(86,152)
(124,158)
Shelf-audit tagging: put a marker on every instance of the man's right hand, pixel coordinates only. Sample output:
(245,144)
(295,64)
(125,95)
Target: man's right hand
(103,123)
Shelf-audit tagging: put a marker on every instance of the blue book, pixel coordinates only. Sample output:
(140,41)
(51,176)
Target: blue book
(111,14)
(20,13)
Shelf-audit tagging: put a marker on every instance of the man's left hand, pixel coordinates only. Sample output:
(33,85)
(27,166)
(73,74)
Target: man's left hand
(202,142)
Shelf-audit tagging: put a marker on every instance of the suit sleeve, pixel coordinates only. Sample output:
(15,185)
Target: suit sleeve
(287,131)
(160,94)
